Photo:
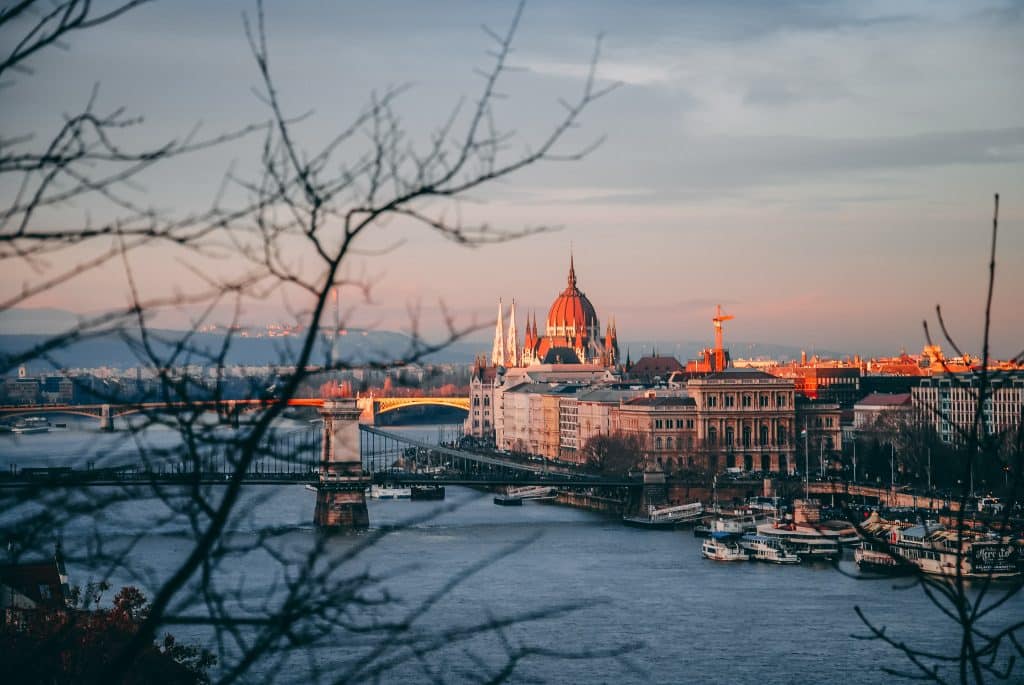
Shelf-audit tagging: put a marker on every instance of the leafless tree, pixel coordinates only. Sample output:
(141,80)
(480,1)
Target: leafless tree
(982,611)
(292,225)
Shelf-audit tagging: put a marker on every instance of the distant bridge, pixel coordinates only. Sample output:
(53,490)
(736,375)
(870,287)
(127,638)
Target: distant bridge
(298,461)
(106,412)
(888,497)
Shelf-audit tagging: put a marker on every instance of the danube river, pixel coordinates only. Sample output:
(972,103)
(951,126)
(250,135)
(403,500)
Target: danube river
(688,619)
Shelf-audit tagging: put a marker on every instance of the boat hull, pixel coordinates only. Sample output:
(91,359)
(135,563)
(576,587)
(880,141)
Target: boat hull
(637,522)
(506,501)
(427,492)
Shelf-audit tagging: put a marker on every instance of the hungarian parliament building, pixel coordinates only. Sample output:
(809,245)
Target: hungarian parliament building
(548,394)
(572,334)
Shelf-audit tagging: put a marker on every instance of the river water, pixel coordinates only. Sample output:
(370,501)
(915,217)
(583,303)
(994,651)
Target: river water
(687,619)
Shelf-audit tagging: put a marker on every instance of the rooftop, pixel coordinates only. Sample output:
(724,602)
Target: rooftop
(882,399)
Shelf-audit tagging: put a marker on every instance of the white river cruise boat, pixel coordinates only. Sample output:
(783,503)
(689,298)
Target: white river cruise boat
(389,492)
(723,548)
(31,425)
(763,548)
(803,540)
(666,517)
(872,557)
(933,549)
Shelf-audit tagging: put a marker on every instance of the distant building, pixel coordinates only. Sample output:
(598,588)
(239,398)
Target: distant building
(948,403)
(869,410)
(57,390)
(480,419)
(572,334)
(22,390)
(666,426)
(655,367)
(831,383)
(595,408)
(745,419)
(33,584)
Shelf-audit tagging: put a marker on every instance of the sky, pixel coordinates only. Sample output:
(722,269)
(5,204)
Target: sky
(825,171)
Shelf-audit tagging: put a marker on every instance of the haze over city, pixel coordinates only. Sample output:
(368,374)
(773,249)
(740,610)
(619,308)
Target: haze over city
(568,341)
(825,173)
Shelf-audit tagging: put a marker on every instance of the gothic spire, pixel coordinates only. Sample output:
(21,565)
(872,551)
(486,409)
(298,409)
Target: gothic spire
(498,350)
(512,350)
(572,271)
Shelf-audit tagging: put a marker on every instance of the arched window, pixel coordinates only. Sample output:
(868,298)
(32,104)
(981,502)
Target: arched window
(712,436)
(764,435)
(746,436)
(657,443)
(730,435)
(668,443)
(487,401)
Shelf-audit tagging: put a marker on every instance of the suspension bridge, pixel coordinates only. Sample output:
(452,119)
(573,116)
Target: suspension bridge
(340,459)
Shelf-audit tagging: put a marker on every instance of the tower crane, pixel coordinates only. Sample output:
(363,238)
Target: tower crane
(719,351)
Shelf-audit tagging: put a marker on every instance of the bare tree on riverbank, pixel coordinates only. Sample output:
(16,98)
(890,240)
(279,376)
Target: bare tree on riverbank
(991,636)
(293,224)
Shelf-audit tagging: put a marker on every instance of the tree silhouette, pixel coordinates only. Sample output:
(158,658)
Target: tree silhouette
(293,223)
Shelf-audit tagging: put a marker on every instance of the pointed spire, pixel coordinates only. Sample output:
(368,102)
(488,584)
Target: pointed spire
(572,270)
(512,348)
(498,350)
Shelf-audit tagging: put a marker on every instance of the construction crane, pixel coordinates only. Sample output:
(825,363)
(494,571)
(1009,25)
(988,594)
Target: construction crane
(719,351)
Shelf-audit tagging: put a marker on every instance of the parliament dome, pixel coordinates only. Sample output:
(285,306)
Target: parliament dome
(571,313)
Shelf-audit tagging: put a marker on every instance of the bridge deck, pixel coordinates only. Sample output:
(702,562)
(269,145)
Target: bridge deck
(525,467)
(82,479)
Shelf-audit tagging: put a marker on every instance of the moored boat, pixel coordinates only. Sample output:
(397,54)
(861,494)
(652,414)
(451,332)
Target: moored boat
(665,518)
(942,552)
(508,500)
(871,557)
(763,548)
(389,492)
(722,547)
(426,492)
(30,425)
(804,541)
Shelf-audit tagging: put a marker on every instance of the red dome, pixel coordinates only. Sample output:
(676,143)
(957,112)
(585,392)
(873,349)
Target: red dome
(571,314)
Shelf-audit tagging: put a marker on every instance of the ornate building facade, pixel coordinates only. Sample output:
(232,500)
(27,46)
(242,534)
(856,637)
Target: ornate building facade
(572,334)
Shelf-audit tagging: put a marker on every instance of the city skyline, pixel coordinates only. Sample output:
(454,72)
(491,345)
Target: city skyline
(825,174)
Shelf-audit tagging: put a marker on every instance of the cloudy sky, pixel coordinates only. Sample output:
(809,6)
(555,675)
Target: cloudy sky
(825,171)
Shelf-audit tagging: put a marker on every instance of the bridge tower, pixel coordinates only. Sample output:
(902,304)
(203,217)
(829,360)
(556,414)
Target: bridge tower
(106,418)
(341,493)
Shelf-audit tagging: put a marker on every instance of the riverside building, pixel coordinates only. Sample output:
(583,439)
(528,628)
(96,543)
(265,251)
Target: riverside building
(948,403)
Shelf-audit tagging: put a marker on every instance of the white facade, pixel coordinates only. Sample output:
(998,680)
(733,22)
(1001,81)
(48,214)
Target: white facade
(949,403)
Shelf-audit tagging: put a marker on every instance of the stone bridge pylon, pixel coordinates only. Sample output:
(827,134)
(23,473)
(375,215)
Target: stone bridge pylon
(341,492)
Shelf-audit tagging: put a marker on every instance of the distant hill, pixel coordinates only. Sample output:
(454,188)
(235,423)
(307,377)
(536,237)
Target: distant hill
(690,349)
(22,329)
(43,321)
(358,347)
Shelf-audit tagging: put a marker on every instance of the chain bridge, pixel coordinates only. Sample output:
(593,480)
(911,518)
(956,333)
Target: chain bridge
(339,460)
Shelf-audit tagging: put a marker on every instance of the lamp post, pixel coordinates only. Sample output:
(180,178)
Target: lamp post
(892,465)
(855,460)
(929,469)
(807,468)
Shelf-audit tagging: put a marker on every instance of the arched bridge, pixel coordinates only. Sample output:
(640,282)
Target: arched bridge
(107,412)
(373,406)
